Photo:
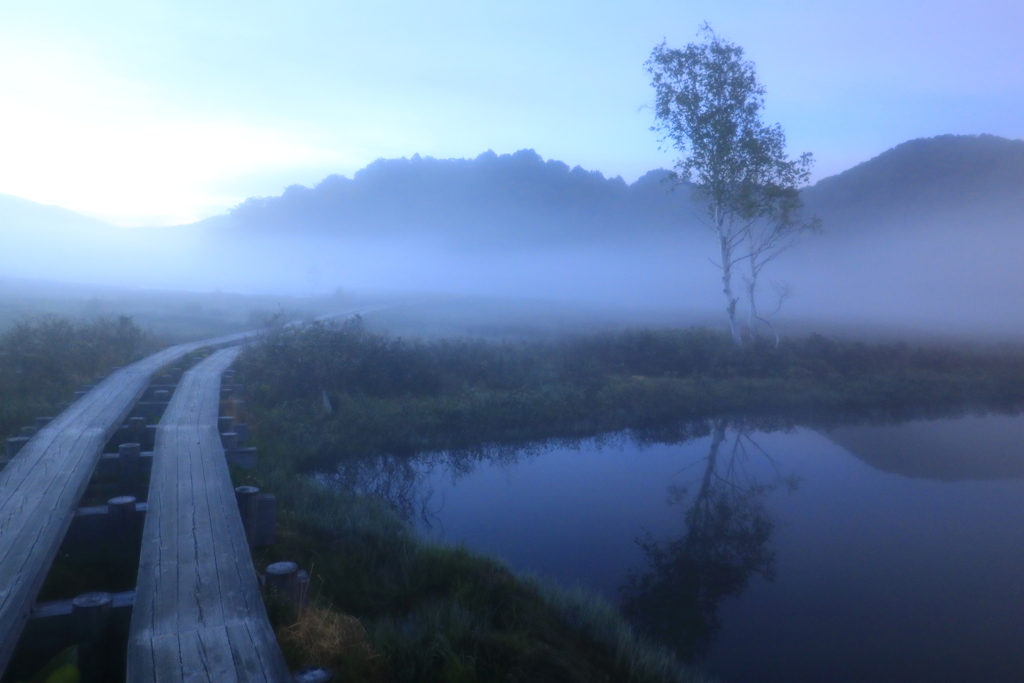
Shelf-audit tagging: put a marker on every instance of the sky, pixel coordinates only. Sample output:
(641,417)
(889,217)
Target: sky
(159,113)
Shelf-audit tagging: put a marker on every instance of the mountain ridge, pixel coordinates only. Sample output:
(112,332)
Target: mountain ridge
(969,176)
(514,197)
(521,197)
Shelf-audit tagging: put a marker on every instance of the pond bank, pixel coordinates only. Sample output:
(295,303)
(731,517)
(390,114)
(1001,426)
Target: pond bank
(441,613)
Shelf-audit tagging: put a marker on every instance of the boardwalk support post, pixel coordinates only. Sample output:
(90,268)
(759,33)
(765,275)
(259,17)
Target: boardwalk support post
(90,614)
(229,440)
(287,581)
(248,500)
(282,579)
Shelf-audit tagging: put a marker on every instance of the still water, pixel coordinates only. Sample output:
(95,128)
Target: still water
(857,553)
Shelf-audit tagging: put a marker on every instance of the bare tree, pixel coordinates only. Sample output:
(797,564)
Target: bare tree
(708,105)
(765,240)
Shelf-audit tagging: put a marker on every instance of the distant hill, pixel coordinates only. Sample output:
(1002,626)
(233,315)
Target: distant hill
(511,198)
(522,199)
(39,241)
(21,216)
(34,235)
(974,177)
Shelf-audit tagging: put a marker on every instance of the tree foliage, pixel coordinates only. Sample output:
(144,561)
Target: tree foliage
(708,105)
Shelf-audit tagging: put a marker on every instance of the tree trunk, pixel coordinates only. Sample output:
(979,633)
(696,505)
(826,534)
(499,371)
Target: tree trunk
(730,298)
(752,313)
(717,437)
(701,501)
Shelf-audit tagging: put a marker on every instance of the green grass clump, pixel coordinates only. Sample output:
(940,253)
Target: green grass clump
(602,622)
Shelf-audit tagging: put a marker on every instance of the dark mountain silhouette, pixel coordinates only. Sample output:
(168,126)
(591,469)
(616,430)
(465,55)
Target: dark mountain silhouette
(518,198)
(521,198)
(975,177)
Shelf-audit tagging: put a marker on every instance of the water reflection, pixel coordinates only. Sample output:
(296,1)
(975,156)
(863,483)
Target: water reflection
(972,447)
(725,541)
(931,446)
(576,517)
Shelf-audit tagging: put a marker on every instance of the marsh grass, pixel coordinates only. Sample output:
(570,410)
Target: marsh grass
(44,360)
(602,622)
(392,396)
(324,637)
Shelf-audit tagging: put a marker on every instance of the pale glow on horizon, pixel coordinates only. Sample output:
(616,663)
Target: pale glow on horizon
(74,136)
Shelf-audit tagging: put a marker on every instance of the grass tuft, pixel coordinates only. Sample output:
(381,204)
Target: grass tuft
(323,637)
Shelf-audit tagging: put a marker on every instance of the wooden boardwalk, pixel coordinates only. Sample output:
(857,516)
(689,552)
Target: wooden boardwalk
(41,486)
(198,613)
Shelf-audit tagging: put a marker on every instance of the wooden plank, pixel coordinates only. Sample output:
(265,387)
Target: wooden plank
(40,487)
(199,615)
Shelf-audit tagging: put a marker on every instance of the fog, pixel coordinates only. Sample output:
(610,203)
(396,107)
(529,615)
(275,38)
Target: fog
(909,244)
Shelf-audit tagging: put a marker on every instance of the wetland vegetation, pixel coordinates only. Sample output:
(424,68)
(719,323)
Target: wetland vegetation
(44,360)
(395,395)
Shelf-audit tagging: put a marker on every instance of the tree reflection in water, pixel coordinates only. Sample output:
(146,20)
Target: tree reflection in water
(727,526)
(725,542)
